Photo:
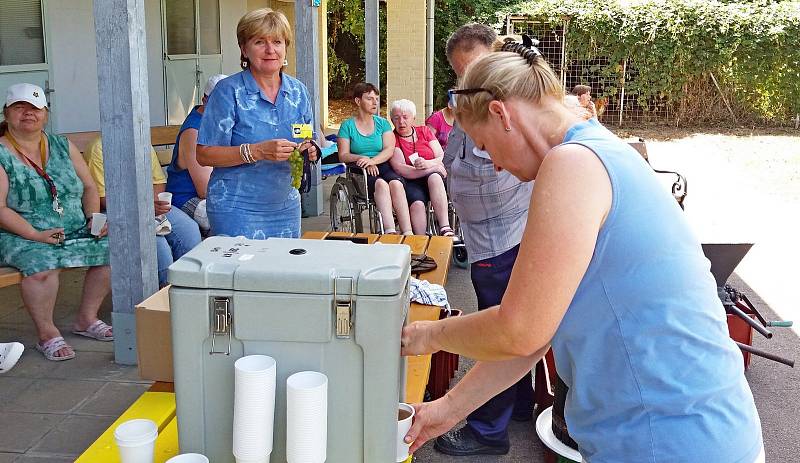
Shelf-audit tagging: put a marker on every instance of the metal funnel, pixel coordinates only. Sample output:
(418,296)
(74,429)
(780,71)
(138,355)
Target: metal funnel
(724,258)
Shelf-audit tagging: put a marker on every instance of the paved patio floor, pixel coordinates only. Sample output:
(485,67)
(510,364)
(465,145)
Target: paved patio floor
(50,412)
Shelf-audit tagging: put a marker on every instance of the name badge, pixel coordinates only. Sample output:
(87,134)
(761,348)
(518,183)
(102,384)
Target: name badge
(302,131)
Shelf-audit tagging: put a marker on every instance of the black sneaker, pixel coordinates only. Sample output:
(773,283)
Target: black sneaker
(462,442)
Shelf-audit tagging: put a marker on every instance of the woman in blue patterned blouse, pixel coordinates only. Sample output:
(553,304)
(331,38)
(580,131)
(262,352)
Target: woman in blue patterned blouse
(246,135)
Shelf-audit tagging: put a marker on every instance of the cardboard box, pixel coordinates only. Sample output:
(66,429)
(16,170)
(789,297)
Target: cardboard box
(154,337)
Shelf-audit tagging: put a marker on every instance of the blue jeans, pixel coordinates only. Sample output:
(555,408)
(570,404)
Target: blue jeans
(490,421)
(185,235)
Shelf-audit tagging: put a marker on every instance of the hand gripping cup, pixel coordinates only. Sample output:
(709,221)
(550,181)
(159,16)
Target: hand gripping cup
(405,416)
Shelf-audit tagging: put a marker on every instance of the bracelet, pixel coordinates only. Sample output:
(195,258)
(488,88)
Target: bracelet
(244,152)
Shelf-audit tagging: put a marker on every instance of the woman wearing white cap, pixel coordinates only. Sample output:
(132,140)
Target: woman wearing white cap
(47,199)
(187,180)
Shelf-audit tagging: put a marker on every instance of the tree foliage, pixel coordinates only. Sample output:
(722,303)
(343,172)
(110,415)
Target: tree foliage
(752,48)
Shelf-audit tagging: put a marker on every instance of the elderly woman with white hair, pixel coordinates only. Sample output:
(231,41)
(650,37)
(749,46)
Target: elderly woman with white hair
(418,158)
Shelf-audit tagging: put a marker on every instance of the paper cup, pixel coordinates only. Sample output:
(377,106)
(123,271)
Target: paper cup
(306,417)
(136,440)
(189,458)
(253,408)
(405,416)
(98,221)
(165,196)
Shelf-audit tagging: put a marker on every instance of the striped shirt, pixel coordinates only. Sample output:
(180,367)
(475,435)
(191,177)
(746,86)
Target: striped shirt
(492,206)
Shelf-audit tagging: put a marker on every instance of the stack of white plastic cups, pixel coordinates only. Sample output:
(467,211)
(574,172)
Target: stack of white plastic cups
(136,440)
(253,408)
(306,417)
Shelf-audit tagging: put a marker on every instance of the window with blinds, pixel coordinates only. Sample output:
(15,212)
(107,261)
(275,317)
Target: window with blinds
(21,33)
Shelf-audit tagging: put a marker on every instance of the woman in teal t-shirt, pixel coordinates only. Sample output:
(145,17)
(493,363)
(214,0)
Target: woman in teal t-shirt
(372,153)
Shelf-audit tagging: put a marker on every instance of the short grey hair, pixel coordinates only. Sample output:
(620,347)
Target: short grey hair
(466,37)
(406,106)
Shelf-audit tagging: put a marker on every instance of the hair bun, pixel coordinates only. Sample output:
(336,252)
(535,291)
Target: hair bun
(526,50)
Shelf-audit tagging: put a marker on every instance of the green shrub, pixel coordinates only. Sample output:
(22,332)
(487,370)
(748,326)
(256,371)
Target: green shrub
(674,46)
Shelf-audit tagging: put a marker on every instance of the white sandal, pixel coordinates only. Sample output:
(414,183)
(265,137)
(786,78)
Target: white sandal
(10,352)
(97,330)
(50,347)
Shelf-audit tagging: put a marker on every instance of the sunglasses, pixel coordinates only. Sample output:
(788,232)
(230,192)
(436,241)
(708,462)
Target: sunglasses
(451,94)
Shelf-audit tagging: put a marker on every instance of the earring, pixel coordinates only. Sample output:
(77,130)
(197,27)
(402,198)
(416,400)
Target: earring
(508,129)
(285,62)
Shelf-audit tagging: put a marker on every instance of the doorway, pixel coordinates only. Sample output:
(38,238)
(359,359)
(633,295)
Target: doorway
(193,52)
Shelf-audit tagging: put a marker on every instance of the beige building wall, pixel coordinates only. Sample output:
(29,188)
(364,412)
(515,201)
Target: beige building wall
(406,48)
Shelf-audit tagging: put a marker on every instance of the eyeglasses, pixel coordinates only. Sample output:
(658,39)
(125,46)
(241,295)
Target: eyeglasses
(451,94)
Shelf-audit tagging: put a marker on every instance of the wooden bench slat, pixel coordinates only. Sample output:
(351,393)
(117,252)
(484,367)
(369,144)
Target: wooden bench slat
(9,276)
(391,239)
(156,406)
(440,248)
(418,243)
(315,235)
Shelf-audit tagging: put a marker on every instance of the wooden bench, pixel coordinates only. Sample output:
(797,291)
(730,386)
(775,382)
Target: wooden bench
(158,404)
(159,136)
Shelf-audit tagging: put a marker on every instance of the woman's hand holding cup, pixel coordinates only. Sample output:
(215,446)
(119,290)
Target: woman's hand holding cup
(431,419)
(273,150)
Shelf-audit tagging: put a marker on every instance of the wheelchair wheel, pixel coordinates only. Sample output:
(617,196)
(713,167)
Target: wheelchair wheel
(460,257)
(344,214)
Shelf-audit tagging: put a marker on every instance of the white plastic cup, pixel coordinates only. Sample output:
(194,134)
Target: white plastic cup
(189,458)
(306,417)
(136,440)
(165,196)
(402,429)
(98,221)
(253,408)
(413,158)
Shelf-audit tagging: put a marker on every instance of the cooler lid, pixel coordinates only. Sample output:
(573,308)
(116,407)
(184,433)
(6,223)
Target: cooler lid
(296,266)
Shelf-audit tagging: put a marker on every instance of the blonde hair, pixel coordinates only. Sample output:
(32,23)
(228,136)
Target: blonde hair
(264,22)
(521,73)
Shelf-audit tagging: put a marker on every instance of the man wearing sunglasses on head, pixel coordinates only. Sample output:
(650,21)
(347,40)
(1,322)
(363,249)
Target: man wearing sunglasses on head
(492,208)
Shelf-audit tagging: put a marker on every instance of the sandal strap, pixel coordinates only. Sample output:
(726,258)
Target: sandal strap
(445,230)
(53,345)
(99,328)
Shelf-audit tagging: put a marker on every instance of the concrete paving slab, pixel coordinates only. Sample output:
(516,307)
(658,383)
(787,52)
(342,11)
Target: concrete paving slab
(98,366)
(52,396)
(112,399)
(22,430)
(73,435)
(11,387)
(43,459)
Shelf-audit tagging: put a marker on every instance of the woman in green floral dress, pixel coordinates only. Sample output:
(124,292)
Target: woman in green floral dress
(47,198)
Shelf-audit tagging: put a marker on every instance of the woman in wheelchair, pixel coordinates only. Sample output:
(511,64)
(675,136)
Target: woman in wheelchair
(418,158)
(372,152)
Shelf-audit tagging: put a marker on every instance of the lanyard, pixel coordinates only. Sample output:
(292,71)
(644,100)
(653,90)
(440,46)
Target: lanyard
(413,141)
(51,185)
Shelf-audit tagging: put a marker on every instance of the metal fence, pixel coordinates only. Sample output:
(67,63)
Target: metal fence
(615,103)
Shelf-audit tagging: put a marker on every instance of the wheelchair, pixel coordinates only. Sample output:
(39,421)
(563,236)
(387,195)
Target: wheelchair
(350,199)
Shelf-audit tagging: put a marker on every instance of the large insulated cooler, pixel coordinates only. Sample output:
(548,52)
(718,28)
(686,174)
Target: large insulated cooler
(335,307)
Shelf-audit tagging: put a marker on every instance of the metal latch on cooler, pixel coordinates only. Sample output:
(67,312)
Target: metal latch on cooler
(343,309)
(221,322)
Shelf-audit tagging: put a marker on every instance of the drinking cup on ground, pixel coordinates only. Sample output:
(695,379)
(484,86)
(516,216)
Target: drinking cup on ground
(136,440)
(189,458)
(405,416)
(98,222)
